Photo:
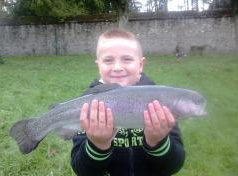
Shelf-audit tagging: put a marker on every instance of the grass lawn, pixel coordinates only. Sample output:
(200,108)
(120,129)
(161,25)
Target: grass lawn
(29,84)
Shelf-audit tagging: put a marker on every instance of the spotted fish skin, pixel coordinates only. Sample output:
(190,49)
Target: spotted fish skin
(127,104)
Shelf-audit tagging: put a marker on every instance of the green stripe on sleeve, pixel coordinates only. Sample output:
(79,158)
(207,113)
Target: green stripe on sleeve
(160,151)
(94,154)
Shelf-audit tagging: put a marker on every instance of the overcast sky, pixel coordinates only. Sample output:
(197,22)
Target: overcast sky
(176,5)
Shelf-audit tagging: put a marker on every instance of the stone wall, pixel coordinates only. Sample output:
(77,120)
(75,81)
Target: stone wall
(60,39)
(157,35)
(207,35)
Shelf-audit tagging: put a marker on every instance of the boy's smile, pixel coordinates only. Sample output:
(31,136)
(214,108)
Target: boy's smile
(119,61)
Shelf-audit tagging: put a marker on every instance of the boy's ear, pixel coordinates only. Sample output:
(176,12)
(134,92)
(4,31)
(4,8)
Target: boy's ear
(96,61)
(143,60)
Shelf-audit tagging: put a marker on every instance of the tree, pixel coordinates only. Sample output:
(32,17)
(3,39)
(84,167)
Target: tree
(122,9)
(135,6)
(220,4)
(98,6)
(234,5)
(47,8)
(163,5)
(5,7)
(195,5)
(72,8)
(63,8)
(157,5)
(1,7)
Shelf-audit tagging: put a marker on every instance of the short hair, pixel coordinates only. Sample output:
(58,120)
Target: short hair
(120,34)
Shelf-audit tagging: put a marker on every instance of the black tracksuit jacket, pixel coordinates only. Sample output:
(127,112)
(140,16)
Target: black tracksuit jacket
(129,154)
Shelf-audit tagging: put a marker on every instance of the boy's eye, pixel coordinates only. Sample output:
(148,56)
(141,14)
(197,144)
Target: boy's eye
(107,60)
(127,59)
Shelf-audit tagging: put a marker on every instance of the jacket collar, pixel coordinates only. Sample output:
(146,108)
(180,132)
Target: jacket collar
(144,80)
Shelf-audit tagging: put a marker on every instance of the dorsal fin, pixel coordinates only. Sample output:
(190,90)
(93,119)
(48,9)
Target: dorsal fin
(97,89)
(102,88)
(52,106)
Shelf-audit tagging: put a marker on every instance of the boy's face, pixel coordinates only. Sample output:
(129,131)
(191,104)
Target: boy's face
(119,61)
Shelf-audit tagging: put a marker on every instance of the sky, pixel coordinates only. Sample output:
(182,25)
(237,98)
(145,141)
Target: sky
(176,5)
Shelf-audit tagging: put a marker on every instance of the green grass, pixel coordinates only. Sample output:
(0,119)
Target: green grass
(29,84)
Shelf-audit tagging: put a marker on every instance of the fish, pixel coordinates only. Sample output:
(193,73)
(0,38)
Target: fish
(126,102)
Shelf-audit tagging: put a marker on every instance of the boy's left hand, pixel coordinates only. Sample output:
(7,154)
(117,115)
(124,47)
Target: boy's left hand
(158,123)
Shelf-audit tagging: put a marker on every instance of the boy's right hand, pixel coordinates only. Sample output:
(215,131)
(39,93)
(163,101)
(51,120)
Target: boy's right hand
(98,124)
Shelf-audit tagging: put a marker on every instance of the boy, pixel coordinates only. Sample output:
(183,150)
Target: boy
(156,150)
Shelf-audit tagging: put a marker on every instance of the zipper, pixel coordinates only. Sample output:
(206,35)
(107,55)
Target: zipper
(131,162)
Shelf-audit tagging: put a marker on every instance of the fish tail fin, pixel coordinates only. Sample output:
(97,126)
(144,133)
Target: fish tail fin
(20,133)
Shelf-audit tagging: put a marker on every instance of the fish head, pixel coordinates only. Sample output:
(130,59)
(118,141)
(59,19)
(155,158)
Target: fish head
(193,105)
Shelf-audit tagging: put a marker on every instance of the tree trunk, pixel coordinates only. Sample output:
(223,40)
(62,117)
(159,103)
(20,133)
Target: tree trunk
(122,12)
(234,5)
(122,18)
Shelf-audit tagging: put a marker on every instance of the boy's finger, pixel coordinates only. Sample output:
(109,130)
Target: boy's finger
(84,117)
(160,113)
(170,117)
(94,114)
(109,119)
(148,123)
(153,116)
(101,116)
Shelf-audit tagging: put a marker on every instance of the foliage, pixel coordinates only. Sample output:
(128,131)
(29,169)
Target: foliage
(157,5)
(72,8)
(135,6)
(52,8)
(61,8)
(234,5)
(30,84)
(98,6)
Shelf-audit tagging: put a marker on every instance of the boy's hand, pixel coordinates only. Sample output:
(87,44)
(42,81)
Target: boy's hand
(99,126)
(158,123)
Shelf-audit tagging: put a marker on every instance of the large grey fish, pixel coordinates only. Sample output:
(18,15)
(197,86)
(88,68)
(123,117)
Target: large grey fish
(127,105)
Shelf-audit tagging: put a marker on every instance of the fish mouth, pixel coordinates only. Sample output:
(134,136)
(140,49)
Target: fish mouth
(202,111)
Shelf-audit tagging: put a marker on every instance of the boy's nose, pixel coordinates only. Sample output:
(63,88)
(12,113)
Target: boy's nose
(117,66)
